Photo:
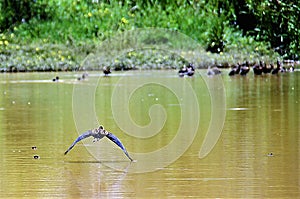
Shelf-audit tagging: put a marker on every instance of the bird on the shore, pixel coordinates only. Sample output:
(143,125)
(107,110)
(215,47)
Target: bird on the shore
(98,134)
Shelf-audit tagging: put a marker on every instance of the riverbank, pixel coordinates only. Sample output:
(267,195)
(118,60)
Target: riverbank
(71,57)
(63,35)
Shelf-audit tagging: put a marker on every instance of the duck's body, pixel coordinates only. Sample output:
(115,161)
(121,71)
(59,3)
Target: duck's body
(266,69)
(98,134)
(106,70)
(187,70)
(235,70)
(257,69)
(190,70)
(83,76)
(213,71)
(292,69)
(245,68)
(277,69)
(231,72)
(182,71)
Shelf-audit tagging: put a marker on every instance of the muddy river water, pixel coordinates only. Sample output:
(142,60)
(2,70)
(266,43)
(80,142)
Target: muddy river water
(210,137)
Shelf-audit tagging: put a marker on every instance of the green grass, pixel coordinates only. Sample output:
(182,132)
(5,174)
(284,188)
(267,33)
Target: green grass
(63,33)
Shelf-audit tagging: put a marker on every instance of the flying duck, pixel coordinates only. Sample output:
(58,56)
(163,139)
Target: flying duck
(98,134)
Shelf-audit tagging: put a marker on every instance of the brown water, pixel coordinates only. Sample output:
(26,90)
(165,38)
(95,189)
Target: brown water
(262,117)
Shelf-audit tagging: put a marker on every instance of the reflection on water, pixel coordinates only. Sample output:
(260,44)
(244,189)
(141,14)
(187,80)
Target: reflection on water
(262,117)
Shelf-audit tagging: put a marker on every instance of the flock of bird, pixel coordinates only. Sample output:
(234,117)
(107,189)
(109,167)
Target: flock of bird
(106,72)
(239,69)
(258,69)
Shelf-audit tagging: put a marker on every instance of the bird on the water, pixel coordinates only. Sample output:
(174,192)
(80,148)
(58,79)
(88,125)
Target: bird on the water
(258,68)
(188,70)
(277,69)
(235,70)
(213,71)
(245,68)
(106,70)
(98,134)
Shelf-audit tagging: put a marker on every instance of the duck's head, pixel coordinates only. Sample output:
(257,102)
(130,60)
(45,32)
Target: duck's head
(101,130)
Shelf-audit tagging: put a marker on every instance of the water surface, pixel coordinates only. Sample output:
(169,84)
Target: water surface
(262,117)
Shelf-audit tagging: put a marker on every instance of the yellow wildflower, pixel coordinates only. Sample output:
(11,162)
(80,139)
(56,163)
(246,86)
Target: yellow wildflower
(124,20)
(90,14)
(6,42)
(1,42)
(37,49)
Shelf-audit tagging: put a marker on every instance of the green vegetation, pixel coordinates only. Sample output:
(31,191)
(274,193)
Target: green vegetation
(58,35)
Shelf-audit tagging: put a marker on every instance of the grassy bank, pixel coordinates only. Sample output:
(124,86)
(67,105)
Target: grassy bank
(61,57)
(59,35)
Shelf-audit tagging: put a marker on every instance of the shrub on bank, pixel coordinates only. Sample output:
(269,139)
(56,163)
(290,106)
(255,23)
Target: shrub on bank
(76,28)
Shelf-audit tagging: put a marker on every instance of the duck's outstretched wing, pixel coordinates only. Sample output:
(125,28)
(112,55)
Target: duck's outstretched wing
(81,137)
(113,138)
